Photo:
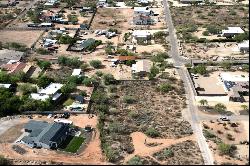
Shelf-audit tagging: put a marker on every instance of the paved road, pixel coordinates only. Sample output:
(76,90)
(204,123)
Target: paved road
(215,117)
(192,108)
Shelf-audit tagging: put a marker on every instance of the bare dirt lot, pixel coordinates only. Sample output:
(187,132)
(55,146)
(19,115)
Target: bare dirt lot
(12,134)
(106,18)
(24,37)
(232,133)
(210,50)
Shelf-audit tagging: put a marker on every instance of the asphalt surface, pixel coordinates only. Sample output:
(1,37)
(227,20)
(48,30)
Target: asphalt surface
(192,108)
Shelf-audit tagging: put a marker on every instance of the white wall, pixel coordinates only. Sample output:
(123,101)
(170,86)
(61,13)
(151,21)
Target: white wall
(213,98)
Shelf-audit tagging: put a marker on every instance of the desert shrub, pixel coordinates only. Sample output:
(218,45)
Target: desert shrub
(42,51)
(27,88)
(95,64)
(208,134)
(133,114)
(226,149)
(165,87)
(151,132)
(99,73)
(109,79)
(136,160)
(201,69)
(206,126)
(230,137)
(129,99)
(168,153)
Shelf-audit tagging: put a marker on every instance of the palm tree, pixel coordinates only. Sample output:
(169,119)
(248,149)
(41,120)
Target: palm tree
(203,102)
(244,107)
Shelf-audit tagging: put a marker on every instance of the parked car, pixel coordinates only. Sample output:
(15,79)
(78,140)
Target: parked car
(49,116)
(224,118)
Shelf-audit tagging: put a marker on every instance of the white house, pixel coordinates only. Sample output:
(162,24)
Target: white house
(143,10)
(141,67)
(244,46)
(143,2)
(101,2)
(141,34)
(51,90)
(76,72)
(7,86)
(50,3)
(232,31)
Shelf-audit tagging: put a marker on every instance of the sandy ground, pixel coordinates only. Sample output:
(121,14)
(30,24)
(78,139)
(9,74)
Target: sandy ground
(208,51)
(246,127)
(242,135)
(141,149)
(112,18)
(210,37)
(24,37)
(91,155)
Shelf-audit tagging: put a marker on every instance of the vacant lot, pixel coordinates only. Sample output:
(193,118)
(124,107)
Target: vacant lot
(211,15)
(137,106)
(106,18)
(24,37)
(184,153)
(187,20)
(210,50)
(12,134)
(230,133)
(7,15)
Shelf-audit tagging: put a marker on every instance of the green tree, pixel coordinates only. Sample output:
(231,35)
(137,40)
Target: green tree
(165,88)
(87,82)
(201,69)
(154,71)
(4,161)
(151,132)
(226,65)
(68,88)
(27,88)
(244,107)
(108,79)
(44,64)
(136,160)
(44,81)
(220,108)
(84,67)
(96,64)
(226,149)
(42,51)
(203,102)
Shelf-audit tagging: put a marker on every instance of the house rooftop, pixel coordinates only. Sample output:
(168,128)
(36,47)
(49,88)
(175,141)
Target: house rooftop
(142,65)
(234,78)
(7,55)
(244,44)
(233,30)
(51,89)
(76,72)
(5,86)
(13,67)
(141,9)
(141,33)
